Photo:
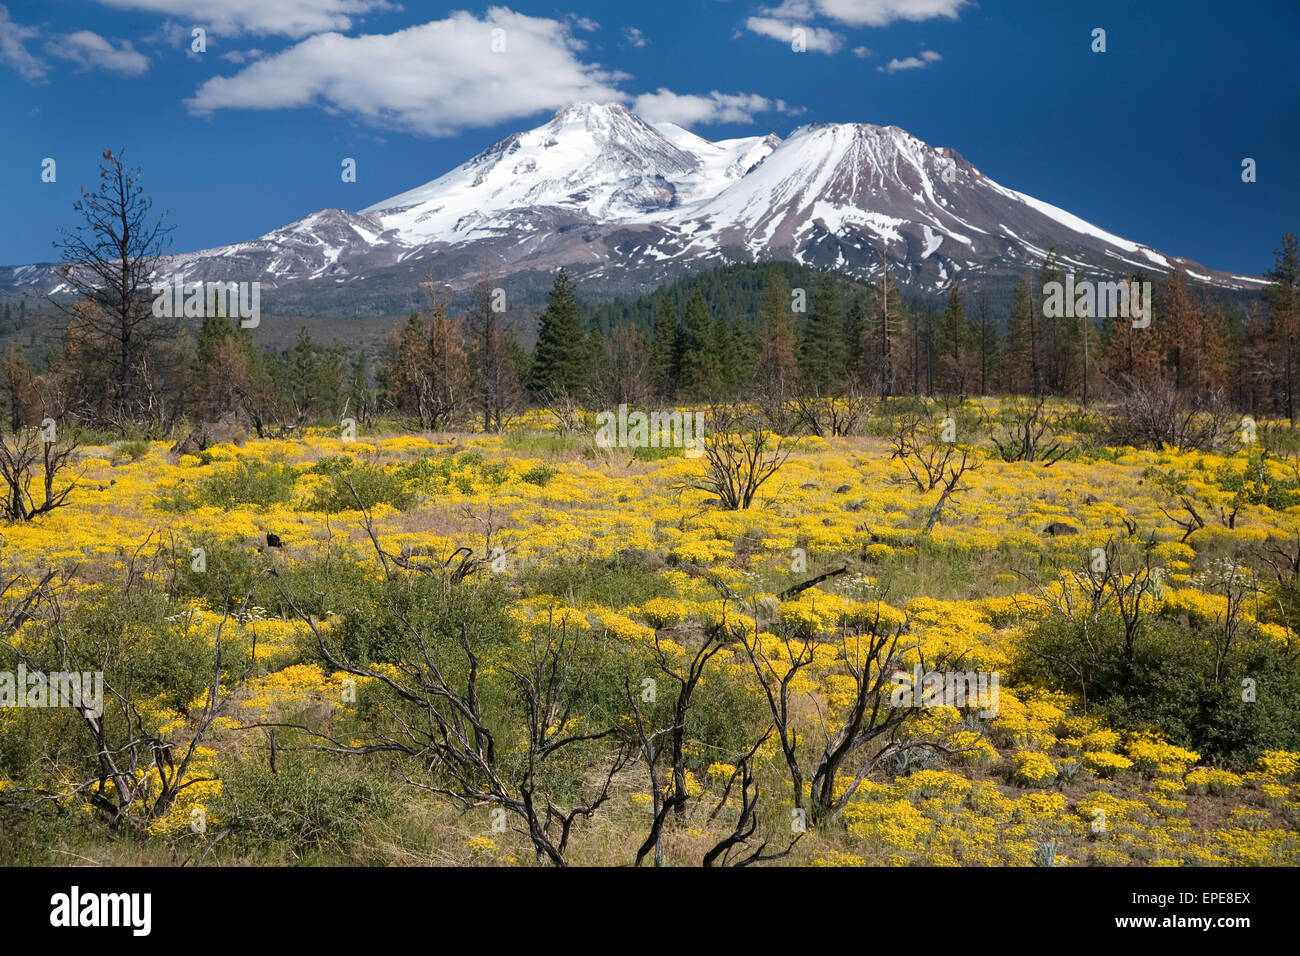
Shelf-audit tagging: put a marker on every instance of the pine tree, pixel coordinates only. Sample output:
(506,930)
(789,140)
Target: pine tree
(778,340)
(987,347)
(1282,297)
(1052,357)
(886,344)
(666,350)
(701,370)
(855,327)
(220,371)
(18,383)
(1023,372)
(724,347)
(560,361)
(824,359)
(951,345)
(361,396)
(1129,352)
(495,386)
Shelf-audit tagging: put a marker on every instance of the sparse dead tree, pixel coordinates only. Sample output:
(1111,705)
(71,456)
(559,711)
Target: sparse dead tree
(622,377)
(26,457)
(110,260)
(662,801)
(462,563)
(746,820)
(1237,584)
(872,729)
(138,774)
(924,462)
(1158,414)
(567,412)
(928,465)
(1193,522)
(795,655)
(450,735)
(715,638)
(497,384)
(950,480)
(870,656)
(739,456)
(831,417)
(1030,437)
(1104,586)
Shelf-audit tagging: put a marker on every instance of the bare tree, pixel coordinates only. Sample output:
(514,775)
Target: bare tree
(1030,437)
(926,463)
(497,384)
(24,457)
(137,775)
(872,728)
(746,820)
(832,417)
(739,456)
(450,734)
(1158,414)
(110,260)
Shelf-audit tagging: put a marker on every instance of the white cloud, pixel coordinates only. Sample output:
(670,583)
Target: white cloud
(816,39)
(92,51)
(13,50)
(862,52)
(292,18)
(435,79)
(911,63)
(169,33)
(242,56)
(635,37)
(585,23)
(665,106)
(793,10)
(881,13)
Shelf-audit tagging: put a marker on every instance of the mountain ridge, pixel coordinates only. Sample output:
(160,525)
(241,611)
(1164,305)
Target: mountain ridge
(625,205)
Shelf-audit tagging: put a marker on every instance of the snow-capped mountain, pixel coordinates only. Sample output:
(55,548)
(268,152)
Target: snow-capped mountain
(625,204)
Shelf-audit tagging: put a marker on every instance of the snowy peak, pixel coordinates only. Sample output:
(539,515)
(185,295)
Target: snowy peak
(592,161)
(627,204)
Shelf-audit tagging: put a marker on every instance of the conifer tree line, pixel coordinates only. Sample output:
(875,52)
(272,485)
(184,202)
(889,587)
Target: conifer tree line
(444,369)
(825,341)
(117,365)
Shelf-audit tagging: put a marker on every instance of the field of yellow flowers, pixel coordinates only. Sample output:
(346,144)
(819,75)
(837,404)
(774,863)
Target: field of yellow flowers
(619,547)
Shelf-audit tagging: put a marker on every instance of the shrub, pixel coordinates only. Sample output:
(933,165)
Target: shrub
(1032,769)
(538,475)
(373,486)
(246,483)
(1171,686)
(301,810)
(134,449)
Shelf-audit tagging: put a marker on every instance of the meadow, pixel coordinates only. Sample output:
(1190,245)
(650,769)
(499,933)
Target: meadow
(525,648)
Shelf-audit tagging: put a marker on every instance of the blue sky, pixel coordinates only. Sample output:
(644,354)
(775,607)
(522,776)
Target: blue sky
(1146,139)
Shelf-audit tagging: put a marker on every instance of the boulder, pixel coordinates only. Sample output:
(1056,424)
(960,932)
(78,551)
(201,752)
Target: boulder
(226,429)
(1060,527)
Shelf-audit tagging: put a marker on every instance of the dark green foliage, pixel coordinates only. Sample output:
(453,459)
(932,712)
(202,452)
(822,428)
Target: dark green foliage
(824,362)
(247,483)
(1171,686)
(561,361)
(300,812)
(372,485)
(615,582)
